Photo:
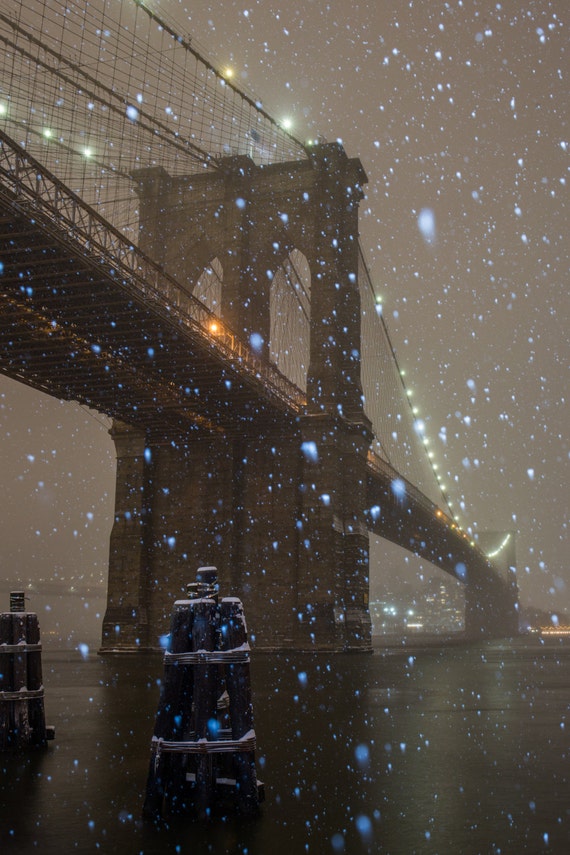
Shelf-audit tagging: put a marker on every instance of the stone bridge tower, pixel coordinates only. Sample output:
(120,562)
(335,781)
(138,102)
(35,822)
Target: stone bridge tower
(279,510)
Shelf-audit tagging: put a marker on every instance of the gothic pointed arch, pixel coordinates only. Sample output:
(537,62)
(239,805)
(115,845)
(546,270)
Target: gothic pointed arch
(290,317)
(208,288)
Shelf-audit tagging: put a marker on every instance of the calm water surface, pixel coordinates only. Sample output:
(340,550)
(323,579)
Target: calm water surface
(463,749)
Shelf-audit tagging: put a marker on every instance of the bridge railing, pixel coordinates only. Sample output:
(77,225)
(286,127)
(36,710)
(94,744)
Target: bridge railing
(37,191)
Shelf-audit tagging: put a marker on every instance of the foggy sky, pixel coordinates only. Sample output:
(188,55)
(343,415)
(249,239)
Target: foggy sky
(457,110)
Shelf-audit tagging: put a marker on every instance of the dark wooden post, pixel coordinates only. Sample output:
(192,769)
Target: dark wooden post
(6,680)
(22,718)
(205,702)
(234,640)
(173,712)
(196,758)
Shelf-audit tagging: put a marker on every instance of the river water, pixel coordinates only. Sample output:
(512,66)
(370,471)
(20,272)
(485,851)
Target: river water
(413,749)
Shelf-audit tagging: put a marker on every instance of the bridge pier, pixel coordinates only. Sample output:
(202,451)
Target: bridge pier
(491,598)
(333,549)
(125,624)
(491,608)
(283,523)
(173,509)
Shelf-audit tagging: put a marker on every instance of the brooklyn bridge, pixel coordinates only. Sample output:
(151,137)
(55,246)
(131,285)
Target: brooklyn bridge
(175,259)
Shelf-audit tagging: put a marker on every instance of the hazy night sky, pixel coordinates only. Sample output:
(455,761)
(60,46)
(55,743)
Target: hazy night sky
(457,110)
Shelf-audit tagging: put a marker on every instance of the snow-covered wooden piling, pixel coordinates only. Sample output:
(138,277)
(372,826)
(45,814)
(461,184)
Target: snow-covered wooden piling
(22,717)
(203,747)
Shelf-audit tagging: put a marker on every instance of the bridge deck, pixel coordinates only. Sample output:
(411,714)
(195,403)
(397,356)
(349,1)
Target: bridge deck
(76,326)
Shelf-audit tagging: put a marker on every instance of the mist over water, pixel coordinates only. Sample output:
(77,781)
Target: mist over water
(433,750)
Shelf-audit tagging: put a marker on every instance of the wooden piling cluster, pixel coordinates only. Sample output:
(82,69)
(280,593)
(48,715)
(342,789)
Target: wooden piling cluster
(203,747)
(22,717)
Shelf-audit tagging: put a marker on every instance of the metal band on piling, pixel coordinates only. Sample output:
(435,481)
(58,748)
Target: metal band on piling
(21,648)
(22,695)
(211,657)
(17,601)
(206,746)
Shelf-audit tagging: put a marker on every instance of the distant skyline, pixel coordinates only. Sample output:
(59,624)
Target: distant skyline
(458,112)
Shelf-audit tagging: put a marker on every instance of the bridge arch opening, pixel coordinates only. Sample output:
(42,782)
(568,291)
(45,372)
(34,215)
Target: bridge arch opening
(411,596)
(209,286)
(290,317)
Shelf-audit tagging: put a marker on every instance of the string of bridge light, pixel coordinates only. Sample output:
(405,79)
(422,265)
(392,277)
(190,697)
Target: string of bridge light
(417,422)
(419,427)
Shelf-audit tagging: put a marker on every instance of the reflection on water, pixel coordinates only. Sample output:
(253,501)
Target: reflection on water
(456,750)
